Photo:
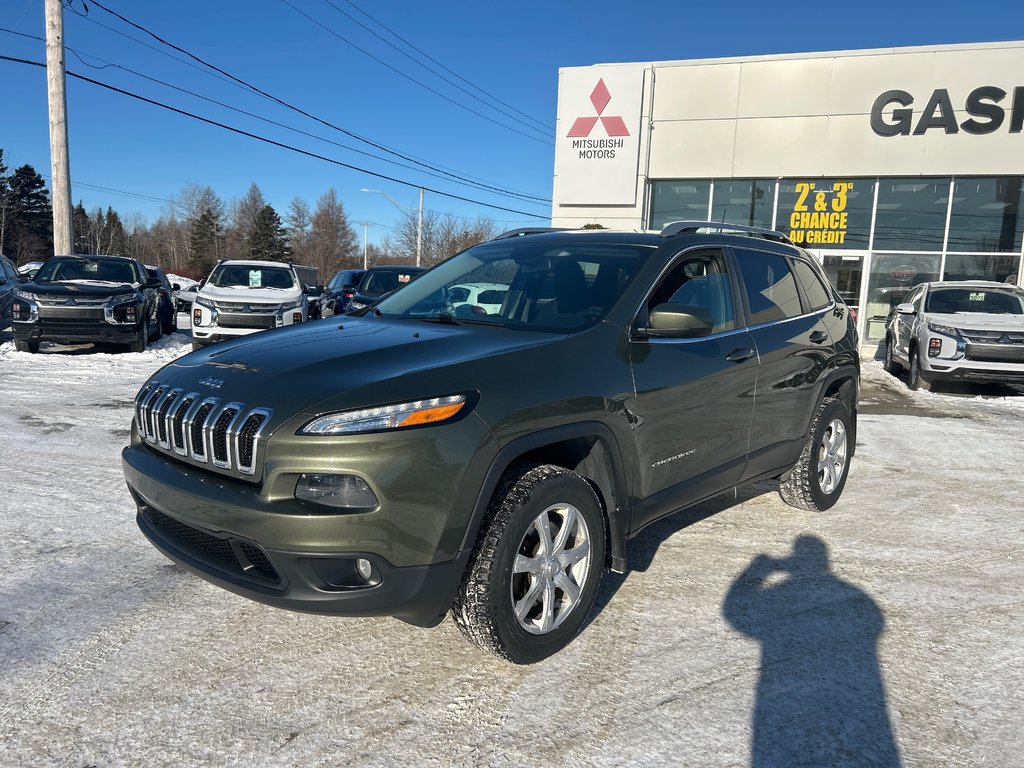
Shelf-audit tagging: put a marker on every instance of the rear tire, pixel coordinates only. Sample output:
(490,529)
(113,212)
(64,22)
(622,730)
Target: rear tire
(534,575)
(26,346)
(819,476)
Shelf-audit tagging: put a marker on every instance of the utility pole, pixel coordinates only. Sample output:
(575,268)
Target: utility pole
(365,225)
(419,230)
(60,169)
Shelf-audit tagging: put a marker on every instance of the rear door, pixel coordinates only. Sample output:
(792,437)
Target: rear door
(694,396)
(790,333)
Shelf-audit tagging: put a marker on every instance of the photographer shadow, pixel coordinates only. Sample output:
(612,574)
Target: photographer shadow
(820,697)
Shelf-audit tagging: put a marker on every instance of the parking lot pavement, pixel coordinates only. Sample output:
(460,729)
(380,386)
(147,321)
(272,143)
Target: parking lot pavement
(886,631)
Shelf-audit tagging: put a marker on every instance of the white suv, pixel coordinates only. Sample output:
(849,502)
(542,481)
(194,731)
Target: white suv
(972,330)
(241,297)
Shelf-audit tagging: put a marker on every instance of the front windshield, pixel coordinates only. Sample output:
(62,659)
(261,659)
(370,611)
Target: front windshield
(71,268)
(1003,301)
(251,276)
(521,284)
(378,281)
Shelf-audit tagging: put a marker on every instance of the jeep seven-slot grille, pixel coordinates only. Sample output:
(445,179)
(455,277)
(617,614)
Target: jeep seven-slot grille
(234,554)
(203,430)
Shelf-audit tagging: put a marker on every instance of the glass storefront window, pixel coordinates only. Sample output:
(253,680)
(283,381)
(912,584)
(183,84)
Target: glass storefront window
(892,276)
(748,202)
(845,272)
(911,214)
(679,201)
(826,213)
(988,215)
(976,266)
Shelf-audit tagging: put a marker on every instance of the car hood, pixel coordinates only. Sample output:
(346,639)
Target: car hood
(248,295)
(79,288)
(353,362)
(978,320)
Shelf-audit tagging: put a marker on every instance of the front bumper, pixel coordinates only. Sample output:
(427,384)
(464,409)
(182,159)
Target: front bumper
(78,333)
(277,552)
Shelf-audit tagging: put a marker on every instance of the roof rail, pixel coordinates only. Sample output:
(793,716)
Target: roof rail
(527,231)
(692,227)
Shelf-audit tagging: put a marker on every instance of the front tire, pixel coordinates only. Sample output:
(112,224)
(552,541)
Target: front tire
(818,479)
(139,344)
(534,574)
(915,380)
(890,364)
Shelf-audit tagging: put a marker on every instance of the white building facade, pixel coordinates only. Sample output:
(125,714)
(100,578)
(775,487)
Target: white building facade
(893,166)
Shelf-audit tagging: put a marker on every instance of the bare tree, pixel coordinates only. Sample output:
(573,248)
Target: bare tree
(443,236)
(333,243)
(298,225)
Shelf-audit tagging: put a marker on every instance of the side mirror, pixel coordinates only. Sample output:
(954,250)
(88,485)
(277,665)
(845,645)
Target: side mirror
(680,321)
(151,284)
(906,309)
(349,288)
(175,287)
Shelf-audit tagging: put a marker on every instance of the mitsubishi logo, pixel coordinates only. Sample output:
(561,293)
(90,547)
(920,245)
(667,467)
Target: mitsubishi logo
(613,124)
(247,308)
(71,302)
(1005,339)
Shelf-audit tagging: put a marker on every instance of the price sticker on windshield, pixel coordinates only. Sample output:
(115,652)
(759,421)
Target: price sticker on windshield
(255,278)
(977,297)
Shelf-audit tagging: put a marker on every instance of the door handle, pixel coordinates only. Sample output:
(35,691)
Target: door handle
(740,354)
(818,337)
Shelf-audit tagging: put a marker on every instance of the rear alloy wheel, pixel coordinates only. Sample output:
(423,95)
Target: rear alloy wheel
(890,365)
(915,379)
(26,346)
(818,478)
(533,578)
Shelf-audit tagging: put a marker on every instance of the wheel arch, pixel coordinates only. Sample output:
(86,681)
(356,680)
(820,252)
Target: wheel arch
(843,384)
(587,448)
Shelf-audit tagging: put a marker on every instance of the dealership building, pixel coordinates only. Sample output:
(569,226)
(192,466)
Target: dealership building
(893,166)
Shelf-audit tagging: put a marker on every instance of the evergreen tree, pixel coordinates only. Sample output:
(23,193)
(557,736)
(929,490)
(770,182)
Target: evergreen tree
(80,227)
(29,228)
(204,241)
(266,236)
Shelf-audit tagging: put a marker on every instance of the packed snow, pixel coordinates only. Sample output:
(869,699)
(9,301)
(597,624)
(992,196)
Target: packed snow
(890,632)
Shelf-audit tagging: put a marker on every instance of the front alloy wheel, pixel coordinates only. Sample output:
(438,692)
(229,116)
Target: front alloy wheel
(534,574)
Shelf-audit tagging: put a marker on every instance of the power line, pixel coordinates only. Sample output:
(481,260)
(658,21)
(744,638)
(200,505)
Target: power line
(272,142)
(412,79)
(467,181)
(273,98)
(545,129)
(447,69)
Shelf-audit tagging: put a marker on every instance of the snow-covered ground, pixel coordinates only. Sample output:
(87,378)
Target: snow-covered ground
(907,647)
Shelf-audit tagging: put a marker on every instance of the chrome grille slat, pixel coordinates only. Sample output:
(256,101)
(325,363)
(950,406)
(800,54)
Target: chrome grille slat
(202,430)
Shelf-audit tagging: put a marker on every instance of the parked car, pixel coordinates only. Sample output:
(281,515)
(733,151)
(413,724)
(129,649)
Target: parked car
(167,311)
(409,462)
(486,298)
(378,282)
(243,297)
(339,291)
(75,299)
(8,285)
(29,269)
(945,331)
(183,297)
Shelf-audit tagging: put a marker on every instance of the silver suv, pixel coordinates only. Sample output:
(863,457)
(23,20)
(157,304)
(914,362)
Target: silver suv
(972,330)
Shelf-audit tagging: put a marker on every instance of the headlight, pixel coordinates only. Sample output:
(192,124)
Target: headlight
(356,304)
(290,305)
(945,330)
(123,298)
(401,416)
(204,302)
(27,295)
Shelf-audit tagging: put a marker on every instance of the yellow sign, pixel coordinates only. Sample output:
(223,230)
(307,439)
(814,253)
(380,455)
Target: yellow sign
(819,216)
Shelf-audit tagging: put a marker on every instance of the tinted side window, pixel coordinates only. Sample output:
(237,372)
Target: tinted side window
(771,289)
(818,296)
(699,279)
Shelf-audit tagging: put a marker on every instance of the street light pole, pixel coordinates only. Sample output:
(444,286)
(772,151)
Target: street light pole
(399,206)
(365,225)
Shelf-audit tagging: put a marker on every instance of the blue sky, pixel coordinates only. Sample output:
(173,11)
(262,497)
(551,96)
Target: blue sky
(511,51)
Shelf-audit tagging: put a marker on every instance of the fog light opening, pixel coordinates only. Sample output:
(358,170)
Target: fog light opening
(934,347)
(364,568)
(339,491)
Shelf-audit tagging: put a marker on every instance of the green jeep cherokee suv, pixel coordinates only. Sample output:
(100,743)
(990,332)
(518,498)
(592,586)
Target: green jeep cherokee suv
(425,457)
